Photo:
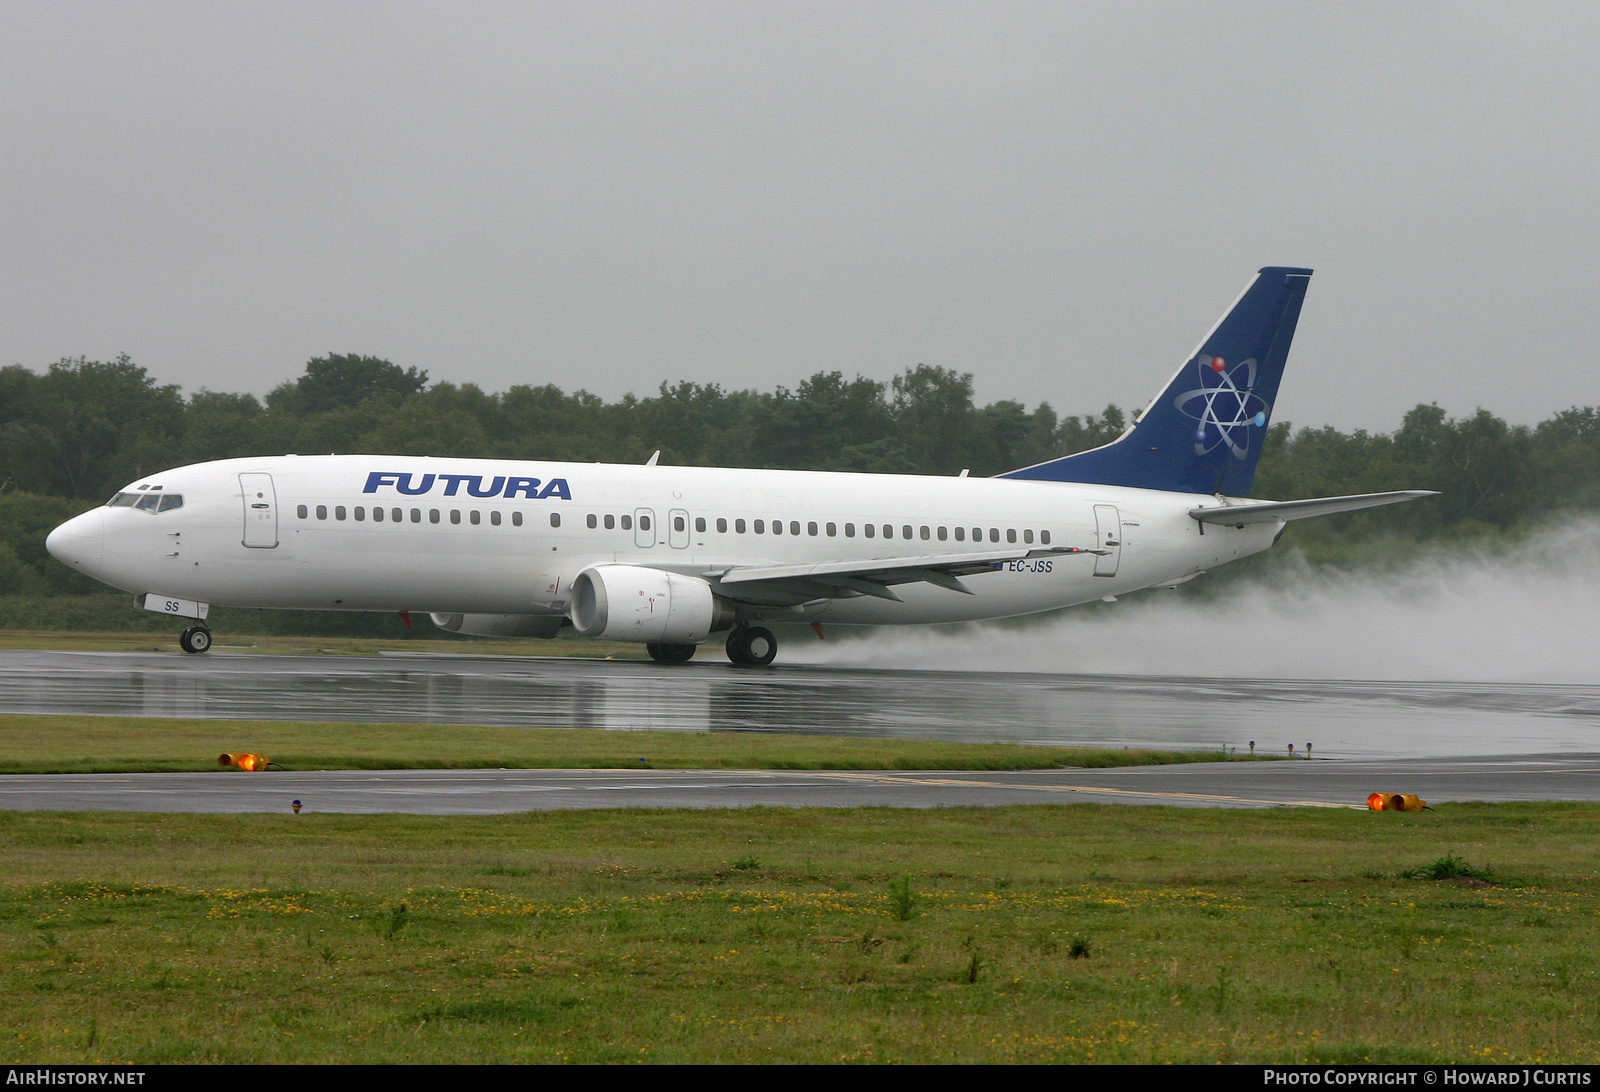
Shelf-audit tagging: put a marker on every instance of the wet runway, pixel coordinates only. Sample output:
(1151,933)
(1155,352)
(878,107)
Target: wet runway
(1340,719)
(1445,741)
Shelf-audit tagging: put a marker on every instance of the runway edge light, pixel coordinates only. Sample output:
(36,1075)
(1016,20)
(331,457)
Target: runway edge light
(244,760)
(1395,801)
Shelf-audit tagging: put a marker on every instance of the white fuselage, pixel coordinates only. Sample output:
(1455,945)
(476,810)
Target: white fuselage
(502,536)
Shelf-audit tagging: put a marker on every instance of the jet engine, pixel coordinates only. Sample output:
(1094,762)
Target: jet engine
(500,625)
(635,603)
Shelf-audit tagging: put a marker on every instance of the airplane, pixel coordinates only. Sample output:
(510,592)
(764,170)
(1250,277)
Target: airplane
(667,556)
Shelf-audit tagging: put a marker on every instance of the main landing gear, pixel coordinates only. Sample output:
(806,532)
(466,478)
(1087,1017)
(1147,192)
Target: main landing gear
(752,646)
(665,653)
(748,646)
(195,639)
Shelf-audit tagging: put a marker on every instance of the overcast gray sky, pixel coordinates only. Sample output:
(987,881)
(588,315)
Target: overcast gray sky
(1059,198)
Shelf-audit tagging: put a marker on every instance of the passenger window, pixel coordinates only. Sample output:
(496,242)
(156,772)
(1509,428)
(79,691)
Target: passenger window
(611,522)
(592,521)
(555,519)
(433,515)
(811,528)
(1044,538)
(722,525)
(924,532)
(1027,536)
(396,515)
(338,511)
(644,523)
(302,512)
(832,529)
(516,519)
(870,529)
(849,530)
(777,526)
(794,527)
(1011,534)
(377,515)
(473,517)
(678,524)
(888,530)
(905,532)
(961,534)
(322,511)
(627,523)
(494,518)
(761,526)
(943,534)
(455,515)
(994,534)
(361,513)
(738,526)
(700,523)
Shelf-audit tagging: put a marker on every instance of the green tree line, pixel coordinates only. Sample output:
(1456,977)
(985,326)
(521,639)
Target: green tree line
(73,435)
(85,428)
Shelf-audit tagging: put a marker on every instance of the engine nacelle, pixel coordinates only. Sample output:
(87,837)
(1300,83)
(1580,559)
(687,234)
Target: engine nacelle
(500,625)
(635,603)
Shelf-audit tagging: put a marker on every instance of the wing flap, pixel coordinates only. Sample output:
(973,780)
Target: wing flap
(871,576)
(894,570)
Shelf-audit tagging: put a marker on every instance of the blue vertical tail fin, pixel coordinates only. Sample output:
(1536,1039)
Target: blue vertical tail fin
(1203,433)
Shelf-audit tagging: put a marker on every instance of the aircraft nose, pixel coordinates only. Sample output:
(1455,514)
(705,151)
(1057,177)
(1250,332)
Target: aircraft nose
(79,542)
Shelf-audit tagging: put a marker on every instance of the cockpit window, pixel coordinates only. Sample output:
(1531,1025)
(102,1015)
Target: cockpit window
(147,502)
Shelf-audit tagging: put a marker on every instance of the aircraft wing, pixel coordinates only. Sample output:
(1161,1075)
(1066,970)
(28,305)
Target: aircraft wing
(1244,512)
(847,579)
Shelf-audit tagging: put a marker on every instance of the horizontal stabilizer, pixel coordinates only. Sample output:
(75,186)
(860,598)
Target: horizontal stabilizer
(1268,511)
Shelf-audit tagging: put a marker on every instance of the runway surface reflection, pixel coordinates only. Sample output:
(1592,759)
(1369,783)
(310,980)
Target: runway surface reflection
(1346,719)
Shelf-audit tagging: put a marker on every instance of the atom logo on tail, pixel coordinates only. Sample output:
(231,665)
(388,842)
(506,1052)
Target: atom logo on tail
(1224,405)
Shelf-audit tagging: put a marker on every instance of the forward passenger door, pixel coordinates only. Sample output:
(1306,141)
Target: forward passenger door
(260,511)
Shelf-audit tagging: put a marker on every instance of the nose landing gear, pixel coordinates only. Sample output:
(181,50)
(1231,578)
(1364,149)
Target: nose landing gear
(195,639)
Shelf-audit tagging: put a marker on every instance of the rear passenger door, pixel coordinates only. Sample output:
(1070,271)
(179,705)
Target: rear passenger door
(1108,537)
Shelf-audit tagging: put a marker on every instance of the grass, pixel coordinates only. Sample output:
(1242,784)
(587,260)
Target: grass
(1077,933)
(86,744)
(1451,867)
